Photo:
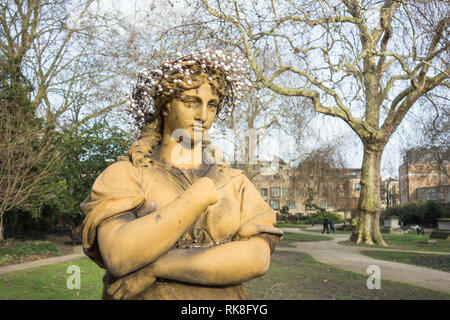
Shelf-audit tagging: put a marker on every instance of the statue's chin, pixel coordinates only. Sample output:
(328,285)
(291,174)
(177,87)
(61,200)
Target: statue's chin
(190,144)
(195,134)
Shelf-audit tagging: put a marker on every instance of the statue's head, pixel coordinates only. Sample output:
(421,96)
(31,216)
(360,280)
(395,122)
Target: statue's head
(203,86)
(193,109)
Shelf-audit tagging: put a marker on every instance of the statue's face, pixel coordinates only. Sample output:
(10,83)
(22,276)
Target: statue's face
(194,107)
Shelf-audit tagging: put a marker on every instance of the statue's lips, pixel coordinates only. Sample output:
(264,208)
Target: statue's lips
(195,127)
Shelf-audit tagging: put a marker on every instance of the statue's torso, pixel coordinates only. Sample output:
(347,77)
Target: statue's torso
(217,224)
(161,184)
(239,213)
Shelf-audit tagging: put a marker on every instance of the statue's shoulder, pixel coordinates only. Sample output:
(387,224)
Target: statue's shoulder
(229,174)
(117,176)
(120,167)
(235,172)
(122,162)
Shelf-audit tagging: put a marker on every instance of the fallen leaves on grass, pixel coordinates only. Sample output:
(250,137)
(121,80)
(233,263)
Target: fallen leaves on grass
(13,251)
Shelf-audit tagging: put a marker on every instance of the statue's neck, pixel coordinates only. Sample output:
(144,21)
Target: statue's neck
(181,155)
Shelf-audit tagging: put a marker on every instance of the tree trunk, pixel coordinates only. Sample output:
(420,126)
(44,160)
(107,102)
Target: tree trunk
(1,226)
(368,213)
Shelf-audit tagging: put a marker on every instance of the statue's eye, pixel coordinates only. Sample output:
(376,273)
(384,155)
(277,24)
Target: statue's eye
(212,106)
(190,103)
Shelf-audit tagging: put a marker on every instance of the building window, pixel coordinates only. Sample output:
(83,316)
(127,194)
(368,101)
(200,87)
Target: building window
(264,192)
(422,196)
(357,187)
(323,204)
(432,194)
(275,192)
(291,204)
(321,191)
(275,204)
(351,174)
(286,192)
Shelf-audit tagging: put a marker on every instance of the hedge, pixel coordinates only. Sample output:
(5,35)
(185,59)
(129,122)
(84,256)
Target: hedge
(419,212)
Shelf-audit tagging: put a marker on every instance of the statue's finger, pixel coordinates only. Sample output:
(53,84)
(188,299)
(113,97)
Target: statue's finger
(113,287)
(119,294)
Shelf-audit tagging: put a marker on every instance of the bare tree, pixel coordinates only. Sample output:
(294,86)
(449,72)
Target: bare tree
(27,161)
(435,141)
(79,56)
(247,126)
(318,177)
(365,62)
(73,58)
(48,42)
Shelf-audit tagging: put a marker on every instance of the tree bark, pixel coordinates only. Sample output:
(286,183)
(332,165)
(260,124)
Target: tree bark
(1,226)
(368,212)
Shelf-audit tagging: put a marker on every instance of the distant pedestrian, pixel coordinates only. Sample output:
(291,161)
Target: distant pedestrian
(420,230)
(325,225)
(332,226)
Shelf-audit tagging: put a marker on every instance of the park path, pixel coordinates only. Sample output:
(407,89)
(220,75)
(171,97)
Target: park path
(349,258)
(77,254)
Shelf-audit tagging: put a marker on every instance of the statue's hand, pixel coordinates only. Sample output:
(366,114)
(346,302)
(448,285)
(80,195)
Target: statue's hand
(206,188)
(131,285)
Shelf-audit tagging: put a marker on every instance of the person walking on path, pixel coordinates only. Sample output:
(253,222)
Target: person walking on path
(332,226)
(325,225)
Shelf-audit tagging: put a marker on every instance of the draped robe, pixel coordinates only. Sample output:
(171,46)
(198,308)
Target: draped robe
(239,214)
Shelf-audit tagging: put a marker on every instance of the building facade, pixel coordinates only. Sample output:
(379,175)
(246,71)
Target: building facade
(438,193)
(350,189)
(283,188)
(422,177)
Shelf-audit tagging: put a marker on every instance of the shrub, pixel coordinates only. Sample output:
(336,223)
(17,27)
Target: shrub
(317,218)
(433,211)
(419,212)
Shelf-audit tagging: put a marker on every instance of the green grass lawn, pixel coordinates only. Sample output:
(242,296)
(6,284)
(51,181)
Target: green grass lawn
(433,261)
(291,276)
(295,275)
(411,242)
(291,225)
(289,239)
(50,283)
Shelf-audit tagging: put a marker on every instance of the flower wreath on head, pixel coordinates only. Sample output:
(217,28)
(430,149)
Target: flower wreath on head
(173,76)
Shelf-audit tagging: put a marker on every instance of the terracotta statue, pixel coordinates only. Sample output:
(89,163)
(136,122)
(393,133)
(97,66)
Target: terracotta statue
(163,224)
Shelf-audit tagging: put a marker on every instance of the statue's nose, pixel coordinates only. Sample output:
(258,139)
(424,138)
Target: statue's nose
(201,113)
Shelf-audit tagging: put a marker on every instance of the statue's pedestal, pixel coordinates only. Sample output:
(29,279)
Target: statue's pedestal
(391,226)
(391,223)
(443,224)
(443,229)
